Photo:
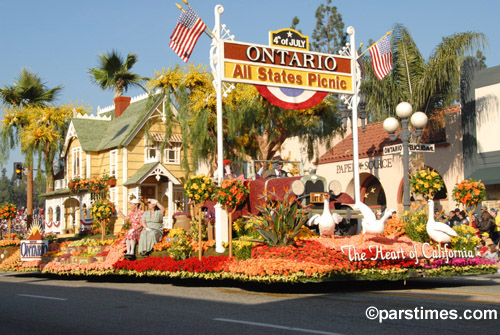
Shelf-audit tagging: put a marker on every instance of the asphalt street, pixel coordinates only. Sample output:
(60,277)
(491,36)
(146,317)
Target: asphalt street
(35,304)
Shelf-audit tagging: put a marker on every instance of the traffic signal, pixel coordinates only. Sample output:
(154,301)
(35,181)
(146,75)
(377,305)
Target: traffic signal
(18,169)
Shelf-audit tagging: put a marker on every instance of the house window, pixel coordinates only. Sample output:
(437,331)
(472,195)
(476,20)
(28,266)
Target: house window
(76,158)
(179,198)
(173,153)
(113,195)
(152,151)
(113,162)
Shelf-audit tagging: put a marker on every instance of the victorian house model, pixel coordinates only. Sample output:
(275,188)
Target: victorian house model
(123,141)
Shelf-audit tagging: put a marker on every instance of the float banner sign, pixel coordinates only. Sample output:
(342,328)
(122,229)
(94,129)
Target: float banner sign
(32,250)
(280,67)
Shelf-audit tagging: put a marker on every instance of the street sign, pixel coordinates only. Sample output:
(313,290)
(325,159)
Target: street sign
(413,147)
(421,147)
(393,149)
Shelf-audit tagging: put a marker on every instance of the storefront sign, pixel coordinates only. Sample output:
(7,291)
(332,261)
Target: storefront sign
(280,67)
(32,250)
(368,165)
(413,147)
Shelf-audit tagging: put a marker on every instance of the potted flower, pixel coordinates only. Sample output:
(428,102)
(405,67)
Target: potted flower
(198,189)
(8,212)
(231,194)
(102,210)
(426,183)
(110,180)
(77,185)
(470,193)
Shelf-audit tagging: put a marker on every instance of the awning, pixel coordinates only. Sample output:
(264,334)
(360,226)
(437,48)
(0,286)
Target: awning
(161,138)
(489,176)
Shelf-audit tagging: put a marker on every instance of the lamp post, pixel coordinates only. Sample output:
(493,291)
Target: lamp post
(418,121)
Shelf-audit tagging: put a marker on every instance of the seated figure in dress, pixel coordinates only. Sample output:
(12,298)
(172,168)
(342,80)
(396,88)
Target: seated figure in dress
(134,217)
(152,224)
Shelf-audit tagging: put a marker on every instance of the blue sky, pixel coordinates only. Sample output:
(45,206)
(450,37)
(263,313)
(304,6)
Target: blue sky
(60,40)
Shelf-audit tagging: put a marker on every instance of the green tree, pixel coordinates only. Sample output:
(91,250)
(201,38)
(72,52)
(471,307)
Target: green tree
(27,91)
(253,128)
(113,72)
(328,36)
(426,84)
(43,131)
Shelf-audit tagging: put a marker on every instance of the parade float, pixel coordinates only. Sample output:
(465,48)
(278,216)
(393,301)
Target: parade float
(268,235)
(274,246)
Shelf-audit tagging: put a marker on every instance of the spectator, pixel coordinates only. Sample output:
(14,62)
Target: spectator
(462,218)
(496,228)
(492,252)
(487,223)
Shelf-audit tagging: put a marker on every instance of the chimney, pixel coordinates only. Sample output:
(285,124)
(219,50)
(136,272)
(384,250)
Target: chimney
(121,103)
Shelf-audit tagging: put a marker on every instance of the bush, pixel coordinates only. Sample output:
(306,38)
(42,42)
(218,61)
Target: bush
(415,226)
(280,220)
(466,238)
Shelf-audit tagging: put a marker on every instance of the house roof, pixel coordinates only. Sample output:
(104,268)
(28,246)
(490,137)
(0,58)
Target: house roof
(96,134)
(145,170)
(372,142)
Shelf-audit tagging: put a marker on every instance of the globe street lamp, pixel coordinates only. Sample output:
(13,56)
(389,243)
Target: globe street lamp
(418,121)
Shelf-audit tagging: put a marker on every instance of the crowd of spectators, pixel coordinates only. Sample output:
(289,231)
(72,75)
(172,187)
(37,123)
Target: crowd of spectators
(18,225)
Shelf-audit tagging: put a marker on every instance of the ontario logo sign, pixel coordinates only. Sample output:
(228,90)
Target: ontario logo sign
(34,247)
(295,72)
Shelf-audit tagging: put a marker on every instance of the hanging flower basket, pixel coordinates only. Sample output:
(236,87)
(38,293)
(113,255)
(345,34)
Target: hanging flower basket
(111,182)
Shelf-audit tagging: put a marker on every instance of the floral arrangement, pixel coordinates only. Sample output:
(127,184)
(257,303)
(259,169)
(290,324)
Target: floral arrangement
(415,225)
(8,211)
(426,183)
(97,186)
(469,193)
(77,185)
(199,188)
(167,264)
(466,238)
(102,209)
(180,247)
(280,220)
(394,227)
(232,193)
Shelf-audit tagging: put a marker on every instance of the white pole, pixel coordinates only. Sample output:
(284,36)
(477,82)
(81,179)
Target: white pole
(354,120)
(217,71)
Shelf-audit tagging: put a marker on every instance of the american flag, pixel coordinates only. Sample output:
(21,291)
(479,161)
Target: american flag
(381,57)
(186,33)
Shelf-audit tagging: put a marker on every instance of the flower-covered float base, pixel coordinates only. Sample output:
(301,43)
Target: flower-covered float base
(313,260)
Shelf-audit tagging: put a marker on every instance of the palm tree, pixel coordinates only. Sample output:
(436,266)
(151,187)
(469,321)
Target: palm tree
(27,91)
(427,85)
(114,72)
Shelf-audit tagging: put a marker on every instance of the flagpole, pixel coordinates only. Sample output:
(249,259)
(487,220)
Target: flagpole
(354,119)
(211,35)
(216,63)
(380,39)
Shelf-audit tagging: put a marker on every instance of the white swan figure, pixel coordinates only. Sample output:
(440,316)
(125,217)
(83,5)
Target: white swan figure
(326,221)
(438,231)
(370,224)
